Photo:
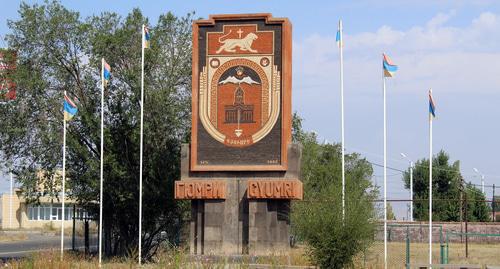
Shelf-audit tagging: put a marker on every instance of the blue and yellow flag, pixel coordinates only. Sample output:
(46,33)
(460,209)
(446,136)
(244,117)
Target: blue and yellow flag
(70,108)
(106,72)
(389,67)
(146,37)
(432,107)
(338,37)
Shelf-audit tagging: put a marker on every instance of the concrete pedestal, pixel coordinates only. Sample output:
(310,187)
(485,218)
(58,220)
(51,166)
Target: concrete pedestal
(237,225)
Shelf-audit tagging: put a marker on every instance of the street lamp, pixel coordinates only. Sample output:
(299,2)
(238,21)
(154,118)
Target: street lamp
(411,184)
(482,179)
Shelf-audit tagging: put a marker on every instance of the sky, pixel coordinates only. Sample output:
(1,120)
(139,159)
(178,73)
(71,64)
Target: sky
(451,46)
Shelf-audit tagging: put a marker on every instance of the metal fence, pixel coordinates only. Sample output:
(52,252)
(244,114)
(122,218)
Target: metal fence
(85,234)
(472,247)
(409,244)
(406,243)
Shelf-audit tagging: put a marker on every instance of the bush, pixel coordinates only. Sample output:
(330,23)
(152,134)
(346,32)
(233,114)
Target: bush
(333,242)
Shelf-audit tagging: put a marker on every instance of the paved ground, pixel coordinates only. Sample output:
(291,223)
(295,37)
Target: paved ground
(35,243)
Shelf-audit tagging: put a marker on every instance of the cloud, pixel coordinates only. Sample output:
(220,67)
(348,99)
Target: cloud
(434,54)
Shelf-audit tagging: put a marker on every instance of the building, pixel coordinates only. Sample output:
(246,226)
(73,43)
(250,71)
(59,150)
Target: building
(18,214)
(238,112)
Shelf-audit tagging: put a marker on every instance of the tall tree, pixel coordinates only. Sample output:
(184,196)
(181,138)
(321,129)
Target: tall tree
(333,241)
(447,187)
(59,51)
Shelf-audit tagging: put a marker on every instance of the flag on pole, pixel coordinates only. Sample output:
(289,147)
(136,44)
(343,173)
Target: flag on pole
(338,38)
(70,108)
(106,73)
(432,107)
(389,67)
(146,38)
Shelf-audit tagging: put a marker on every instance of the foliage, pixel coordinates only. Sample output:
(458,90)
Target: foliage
(318,220)
(59,51)
(447,185)
(477,210)
(390,213)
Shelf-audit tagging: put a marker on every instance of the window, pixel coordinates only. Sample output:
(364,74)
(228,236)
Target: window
(52,212)
(47,213)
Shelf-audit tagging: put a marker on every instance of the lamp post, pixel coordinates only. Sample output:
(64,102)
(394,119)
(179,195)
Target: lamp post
(411,184)
(482,179)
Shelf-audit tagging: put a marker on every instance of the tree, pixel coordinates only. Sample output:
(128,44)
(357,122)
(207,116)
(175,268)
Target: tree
(477,210)
(58,51)
(447,185)
(333,242)
(390,213)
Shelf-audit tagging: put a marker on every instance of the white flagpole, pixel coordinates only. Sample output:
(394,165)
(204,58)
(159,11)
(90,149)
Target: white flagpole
(342,115)
(102,167)
(430,184)
(141,147)
(11,197)
(63,185)
(385,174)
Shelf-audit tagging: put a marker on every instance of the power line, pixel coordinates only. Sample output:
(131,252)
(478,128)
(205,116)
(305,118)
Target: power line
(355,150)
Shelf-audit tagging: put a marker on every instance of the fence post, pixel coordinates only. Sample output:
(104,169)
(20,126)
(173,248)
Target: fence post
(447,249)
(408,247)
(73,236)
(441,245)
(87,244)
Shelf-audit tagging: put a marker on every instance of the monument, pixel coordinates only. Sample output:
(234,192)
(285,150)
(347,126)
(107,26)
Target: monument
(241,170)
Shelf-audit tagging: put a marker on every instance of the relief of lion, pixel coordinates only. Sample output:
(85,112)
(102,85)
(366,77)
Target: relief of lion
(230,44)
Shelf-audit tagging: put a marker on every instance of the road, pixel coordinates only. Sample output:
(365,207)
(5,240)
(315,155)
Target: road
(35,243)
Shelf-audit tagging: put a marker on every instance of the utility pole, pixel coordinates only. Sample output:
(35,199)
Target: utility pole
(493,205)
(411,184)
(482,179)
(466,228)
(461,211)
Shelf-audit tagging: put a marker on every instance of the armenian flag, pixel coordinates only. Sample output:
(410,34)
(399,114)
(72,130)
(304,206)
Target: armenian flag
(389,67)
(106,72)
(70,108)
(146,37)
(432,107)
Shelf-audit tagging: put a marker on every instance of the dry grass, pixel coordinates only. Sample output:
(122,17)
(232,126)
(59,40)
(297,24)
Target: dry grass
(482,254)
(373,258)
(4,237)
(169,259)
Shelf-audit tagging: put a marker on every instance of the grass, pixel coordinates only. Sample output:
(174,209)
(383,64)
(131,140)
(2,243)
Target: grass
(174,258)
(481,254)
(373,258)
(4,237)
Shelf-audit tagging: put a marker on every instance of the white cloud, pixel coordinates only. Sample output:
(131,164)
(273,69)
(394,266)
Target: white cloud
(440,19)
(430,55)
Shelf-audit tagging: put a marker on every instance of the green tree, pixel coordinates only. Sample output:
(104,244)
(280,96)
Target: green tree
(447,185)
(477,210)
(59,51)
(333,242)
(390,213)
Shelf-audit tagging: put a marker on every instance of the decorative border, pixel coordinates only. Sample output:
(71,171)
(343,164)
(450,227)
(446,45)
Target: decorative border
(286,100)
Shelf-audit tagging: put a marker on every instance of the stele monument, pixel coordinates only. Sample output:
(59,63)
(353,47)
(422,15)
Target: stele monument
(241,170)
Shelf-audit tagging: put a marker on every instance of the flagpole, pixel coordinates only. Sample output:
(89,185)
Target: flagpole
(63,185)
(342,116)
(385,173)
(11,197)
(102,170)
(141,147)
(430,185)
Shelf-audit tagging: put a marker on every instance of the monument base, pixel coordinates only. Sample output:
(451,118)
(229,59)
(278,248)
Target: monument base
(227,222)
